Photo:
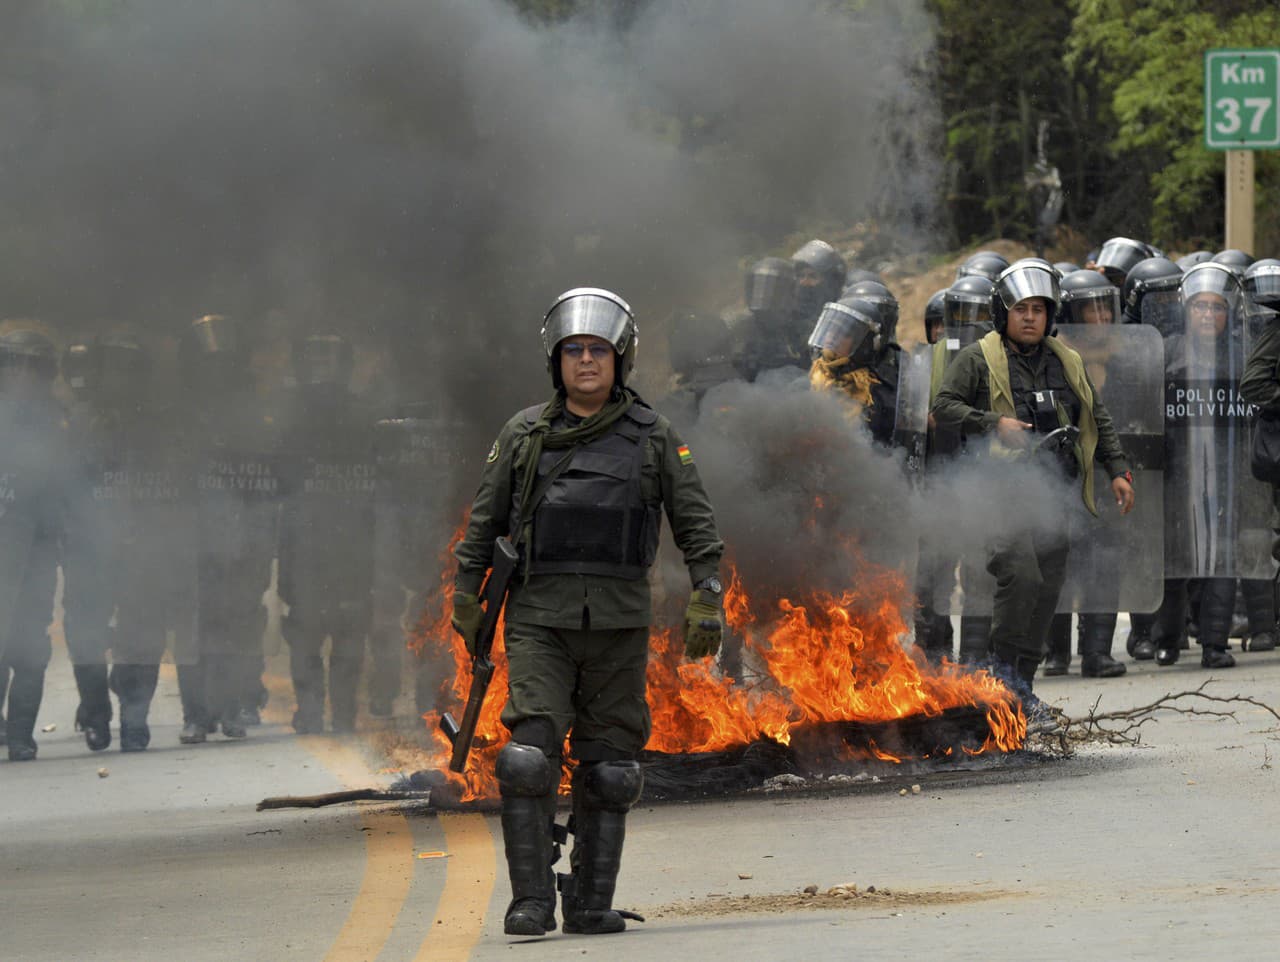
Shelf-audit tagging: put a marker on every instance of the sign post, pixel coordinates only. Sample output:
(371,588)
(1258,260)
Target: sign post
(1241,115)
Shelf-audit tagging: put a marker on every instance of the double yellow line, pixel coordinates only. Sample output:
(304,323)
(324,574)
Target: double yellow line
(389,866)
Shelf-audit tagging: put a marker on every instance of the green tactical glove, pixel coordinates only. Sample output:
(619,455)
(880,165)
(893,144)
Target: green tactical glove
(467,614)
(703,627)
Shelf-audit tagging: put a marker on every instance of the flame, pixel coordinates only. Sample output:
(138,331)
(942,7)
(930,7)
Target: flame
(824,658)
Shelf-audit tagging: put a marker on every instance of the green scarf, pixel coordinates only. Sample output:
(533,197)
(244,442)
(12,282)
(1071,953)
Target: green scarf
(543,437)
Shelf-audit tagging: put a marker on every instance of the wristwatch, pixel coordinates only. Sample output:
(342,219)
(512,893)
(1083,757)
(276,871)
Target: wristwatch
(711,584)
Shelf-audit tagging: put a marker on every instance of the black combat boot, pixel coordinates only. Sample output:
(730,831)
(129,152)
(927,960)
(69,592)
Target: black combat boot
(526,777)
(1217,606)
(975,639)
(134,685)
(1096,632)
(26,691)
(344,680)
(93,716)
(1058,661)
(307,669)
(195,706)
(1139,644)
(1260,605)
(603,793)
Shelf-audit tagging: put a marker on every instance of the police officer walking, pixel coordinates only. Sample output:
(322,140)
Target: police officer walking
(34,477)
(326,553)
(579,484)
(1017,381)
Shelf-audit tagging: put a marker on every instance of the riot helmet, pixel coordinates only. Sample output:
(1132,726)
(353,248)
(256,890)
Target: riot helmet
(1210,291)
(594,311)
(1119,255)
(886,305)
(324,361)
(1027,278)
(820,273)
(1087,297)
(109,370)
(771,286)
(216,334)
(700,347)
(1235,259)
(848,328)
(1150,292)
(1262,283)
(934,316)
(986,264)
(28,354)
(1188,261)
(857,276)
(967,303)
(1066,267)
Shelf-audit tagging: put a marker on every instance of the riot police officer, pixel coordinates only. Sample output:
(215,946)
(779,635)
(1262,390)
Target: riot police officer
(988,264)
(849,357)
(239,484)
(326,551)
(579,484)
(1016,382)
(700,349)
(764,334)
(131,546)
(934,316)
(1118,256)
(1215,513)
(820,278)
(34,484)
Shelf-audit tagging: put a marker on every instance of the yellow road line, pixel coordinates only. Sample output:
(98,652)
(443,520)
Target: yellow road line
(468,885)
(388,861)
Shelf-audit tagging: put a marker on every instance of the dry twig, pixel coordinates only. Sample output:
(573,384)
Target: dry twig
(1125,727)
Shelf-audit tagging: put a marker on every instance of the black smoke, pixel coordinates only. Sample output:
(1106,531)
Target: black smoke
(426,177)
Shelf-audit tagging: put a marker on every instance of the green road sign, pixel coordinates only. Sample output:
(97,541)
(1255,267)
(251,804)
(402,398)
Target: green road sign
(1241,99)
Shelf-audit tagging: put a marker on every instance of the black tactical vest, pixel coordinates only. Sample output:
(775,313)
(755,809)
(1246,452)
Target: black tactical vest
(593,519)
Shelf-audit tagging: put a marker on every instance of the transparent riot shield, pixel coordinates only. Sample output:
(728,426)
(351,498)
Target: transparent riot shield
(1113,563)
(1162,309)
(911,423)
(1216,513)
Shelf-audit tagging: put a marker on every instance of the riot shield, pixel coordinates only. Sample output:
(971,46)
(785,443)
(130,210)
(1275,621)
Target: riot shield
(911,423)
(1111,567)
(1162,309)
(1216,513)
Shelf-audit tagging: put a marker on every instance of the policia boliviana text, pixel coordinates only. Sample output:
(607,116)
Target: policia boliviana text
(998,387)
(578,484)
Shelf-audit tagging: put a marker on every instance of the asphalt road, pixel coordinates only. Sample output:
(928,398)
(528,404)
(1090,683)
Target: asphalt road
(1168,850)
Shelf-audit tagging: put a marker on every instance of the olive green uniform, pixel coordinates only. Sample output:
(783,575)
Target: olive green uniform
(1029,567)
(577,644)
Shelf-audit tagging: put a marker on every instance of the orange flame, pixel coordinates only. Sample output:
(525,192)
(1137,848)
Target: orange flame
(826,659)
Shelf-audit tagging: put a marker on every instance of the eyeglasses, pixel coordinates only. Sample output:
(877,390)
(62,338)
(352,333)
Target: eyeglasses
(574,351)
(1208,307)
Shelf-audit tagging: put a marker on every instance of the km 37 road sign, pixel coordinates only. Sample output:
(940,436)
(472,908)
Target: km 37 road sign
(1241,98)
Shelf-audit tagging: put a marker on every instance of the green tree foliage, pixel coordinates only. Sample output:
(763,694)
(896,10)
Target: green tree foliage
(1148,54)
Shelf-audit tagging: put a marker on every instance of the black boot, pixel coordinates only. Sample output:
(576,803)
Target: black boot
(1096,632)
(603,793)
(26,691)
(1139,643)
(344,680)
(195,704)
(134,685)
(975,639)
(1260,605)
(1058,661)
(93,716)
(526,777)
(1217,607)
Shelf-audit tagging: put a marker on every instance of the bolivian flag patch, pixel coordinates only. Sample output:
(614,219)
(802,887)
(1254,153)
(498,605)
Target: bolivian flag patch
(686,456)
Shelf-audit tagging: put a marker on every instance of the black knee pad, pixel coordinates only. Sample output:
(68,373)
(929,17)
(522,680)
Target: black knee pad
(538,732)
(524,771)
(613,786)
